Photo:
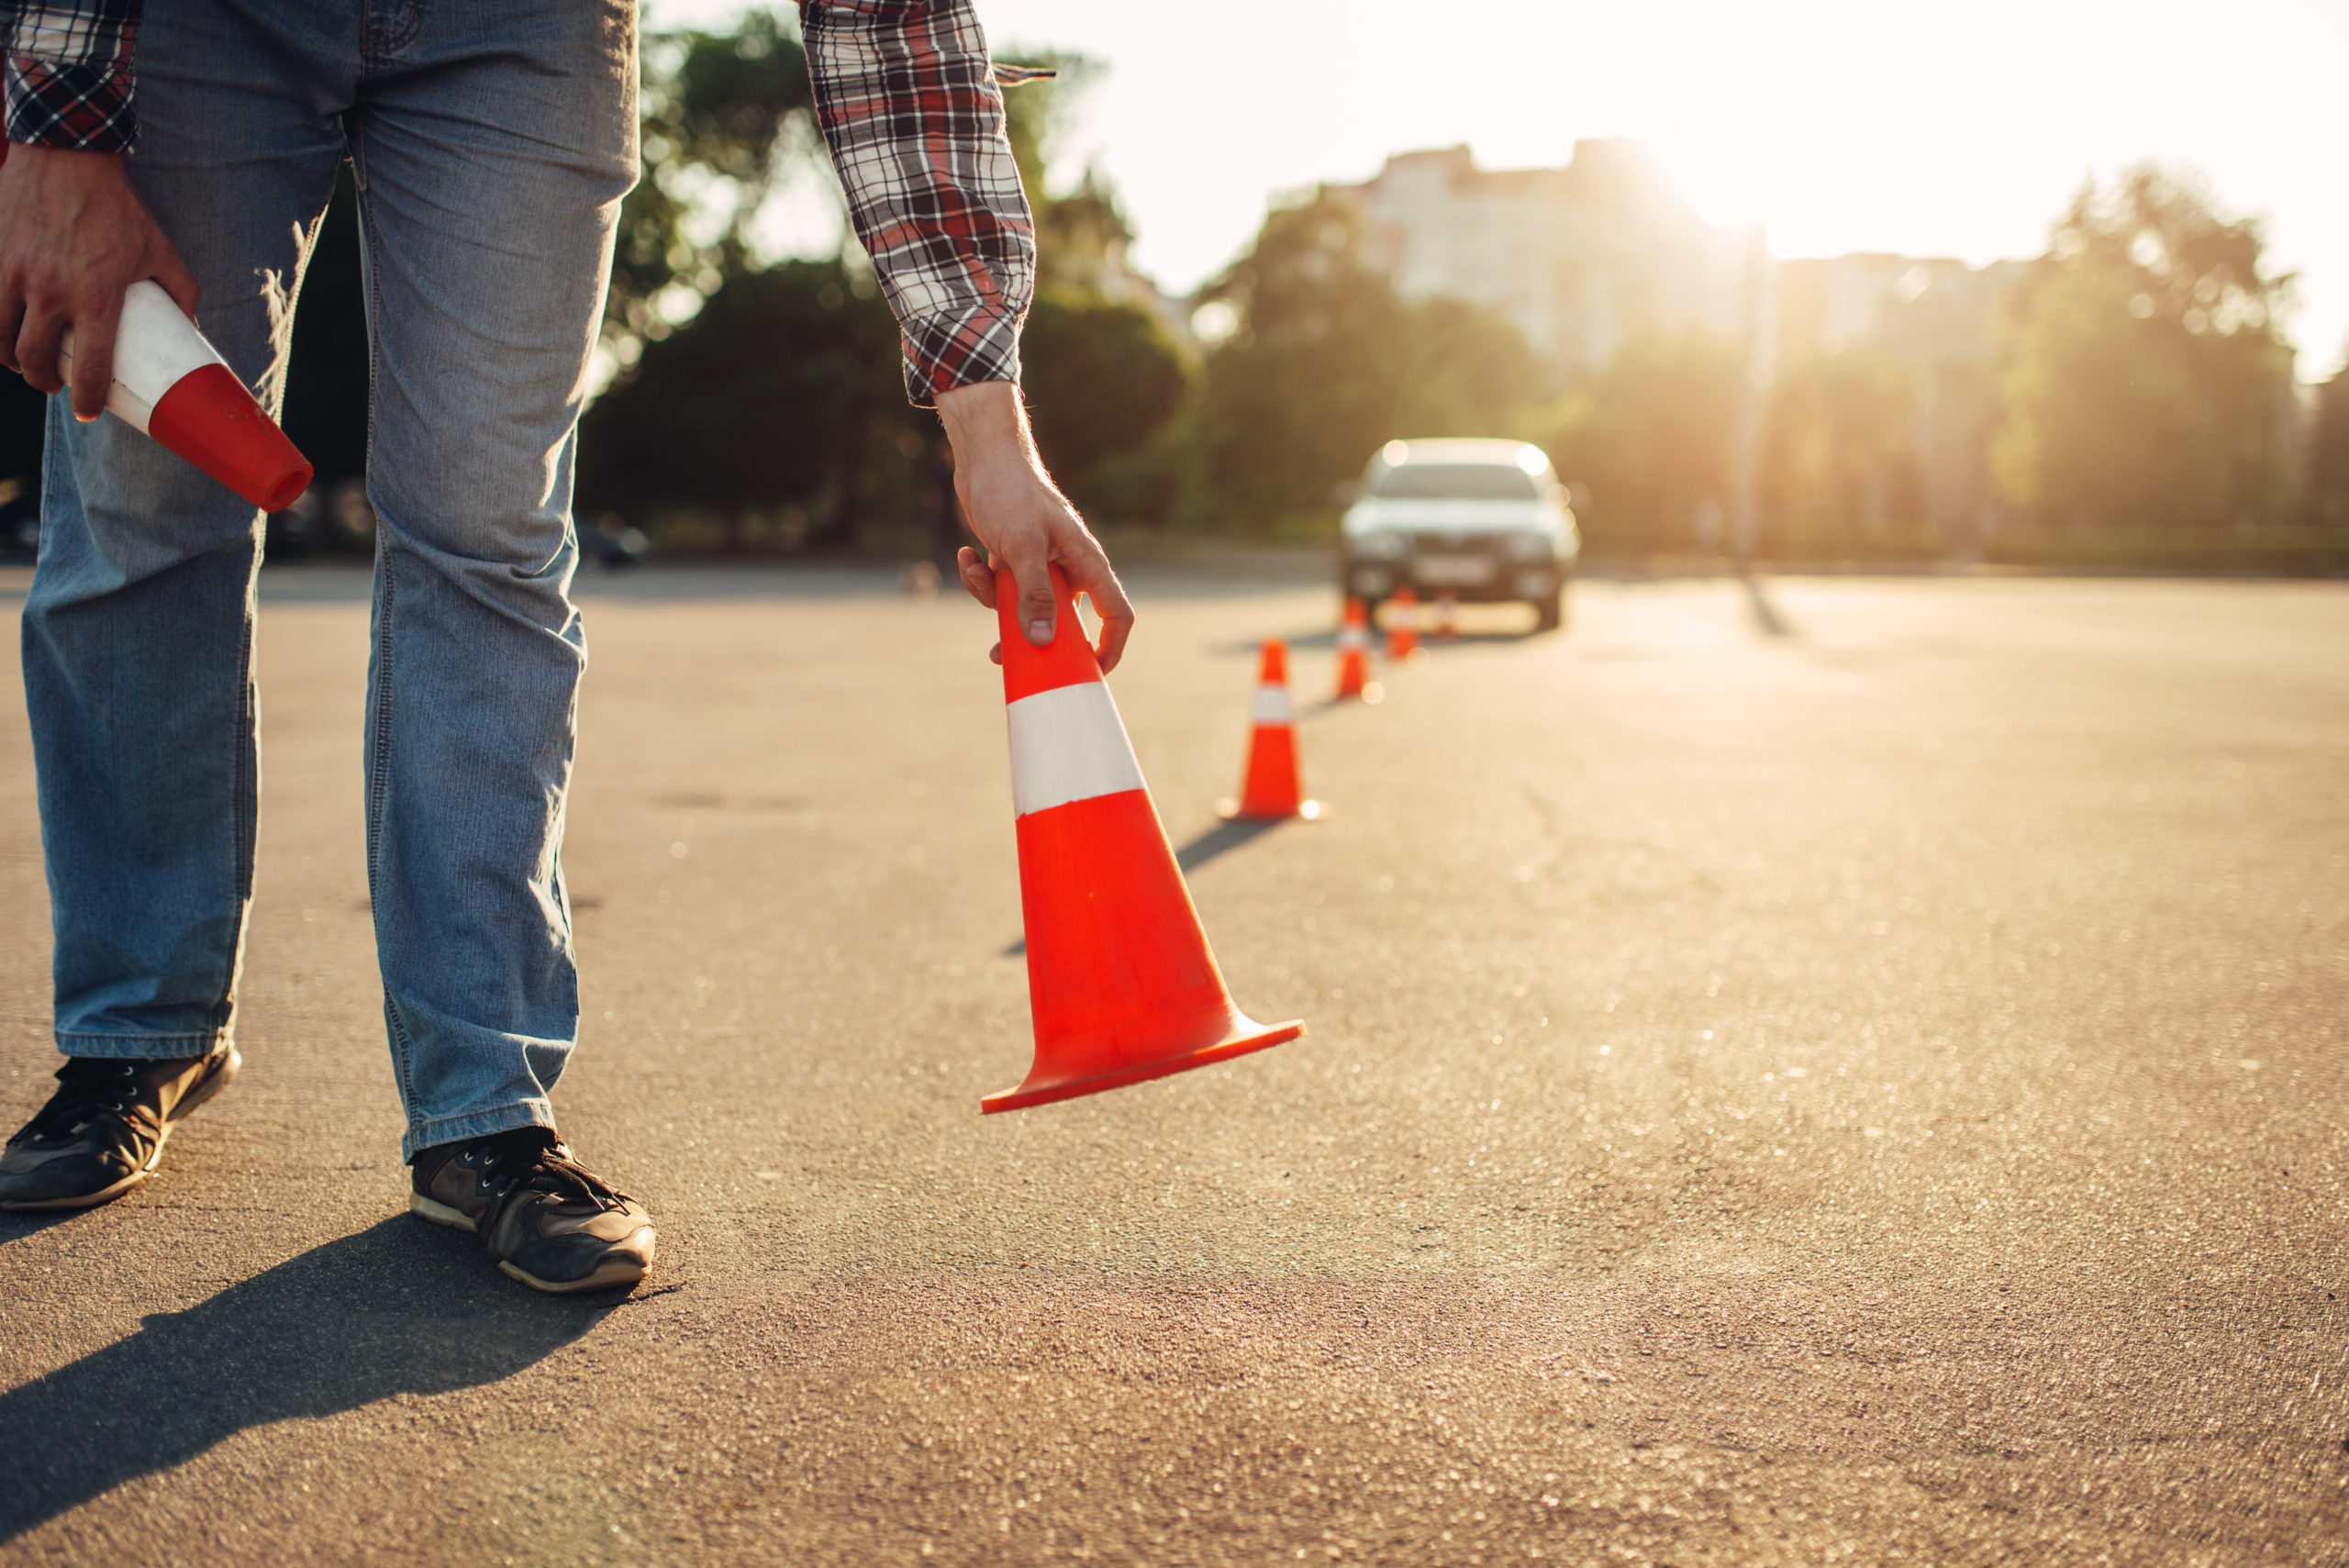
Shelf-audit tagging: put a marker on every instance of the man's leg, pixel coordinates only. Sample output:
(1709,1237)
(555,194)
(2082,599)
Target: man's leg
(492,146)
(137,632)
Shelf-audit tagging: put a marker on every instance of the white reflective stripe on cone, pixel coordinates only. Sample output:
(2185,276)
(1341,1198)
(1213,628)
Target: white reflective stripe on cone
(1273,705)
(154,347)
(1353,637)
(1068,744)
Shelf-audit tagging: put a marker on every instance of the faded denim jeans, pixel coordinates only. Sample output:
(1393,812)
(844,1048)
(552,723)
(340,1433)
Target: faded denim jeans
(492,143)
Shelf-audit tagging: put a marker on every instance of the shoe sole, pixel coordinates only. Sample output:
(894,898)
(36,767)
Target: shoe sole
(619,1271)
(206,1090)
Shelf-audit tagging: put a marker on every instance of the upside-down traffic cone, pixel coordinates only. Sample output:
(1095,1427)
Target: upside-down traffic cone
(1403,624)
(1447,616)
(1353,655)
(1121,982)
(171,385)
(1273,787)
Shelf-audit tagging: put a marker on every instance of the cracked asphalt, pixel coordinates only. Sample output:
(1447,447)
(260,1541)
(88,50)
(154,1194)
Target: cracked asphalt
(1849,1073)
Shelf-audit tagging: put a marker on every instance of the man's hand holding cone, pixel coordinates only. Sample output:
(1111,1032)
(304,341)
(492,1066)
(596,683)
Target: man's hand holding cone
(1026,523)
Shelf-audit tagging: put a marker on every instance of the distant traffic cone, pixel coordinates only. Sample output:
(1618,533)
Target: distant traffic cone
(1274,788)
(1121,983)
(1403,624)
(1447,616)
(1353,656)
(171,385)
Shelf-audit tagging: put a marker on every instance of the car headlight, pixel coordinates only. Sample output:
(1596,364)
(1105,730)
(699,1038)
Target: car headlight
(1381,544)
(1529,547)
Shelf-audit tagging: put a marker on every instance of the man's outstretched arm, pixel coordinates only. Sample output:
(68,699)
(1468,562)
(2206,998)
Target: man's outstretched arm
(906,98)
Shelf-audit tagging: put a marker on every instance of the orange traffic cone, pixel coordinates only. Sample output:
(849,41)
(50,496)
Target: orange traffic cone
(1274,788)
(1403,624)
(171,385)
(1353,656)
(1121,983)
(1447,616)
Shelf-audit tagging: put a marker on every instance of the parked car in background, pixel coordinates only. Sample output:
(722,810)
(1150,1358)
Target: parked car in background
(1487,521)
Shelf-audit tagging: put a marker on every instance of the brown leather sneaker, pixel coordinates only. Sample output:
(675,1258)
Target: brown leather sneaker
(548,1221)
(103,1130)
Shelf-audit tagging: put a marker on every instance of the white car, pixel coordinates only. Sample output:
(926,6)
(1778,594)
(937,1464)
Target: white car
(1483,521)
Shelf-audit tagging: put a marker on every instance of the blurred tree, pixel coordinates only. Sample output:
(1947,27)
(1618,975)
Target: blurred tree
(784,392)
(2143,387)
(2328,452)
(724,114)
(1101,379)
(1102,371)
(1839,455)
(1327,362)
(1650,439)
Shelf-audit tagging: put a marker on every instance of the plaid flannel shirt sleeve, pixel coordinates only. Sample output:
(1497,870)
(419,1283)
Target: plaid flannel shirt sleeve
(910,108)
(67,72)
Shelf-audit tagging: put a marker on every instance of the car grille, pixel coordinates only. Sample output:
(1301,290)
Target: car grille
(1460,544)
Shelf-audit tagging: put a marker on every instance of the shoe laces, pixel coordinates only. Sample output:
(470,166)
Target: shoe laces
(88,1088)
(532,1159)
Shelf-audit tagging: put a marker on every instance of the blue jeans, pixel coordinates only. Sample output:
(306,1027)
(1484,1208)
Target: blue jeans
(492,143)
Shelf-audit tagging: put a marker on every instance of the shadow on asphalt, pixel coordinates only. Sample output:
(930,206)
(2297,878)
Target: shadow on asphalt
(1221,838)
(1766,619)
(400,1308)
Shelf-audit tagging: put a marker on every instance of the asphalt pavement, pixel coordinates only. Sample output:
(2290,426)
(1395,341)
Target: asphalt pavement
(1846,1072)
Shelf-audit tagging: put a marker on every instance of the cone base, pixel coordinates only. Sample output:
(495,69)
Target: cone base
(1232,810)
(1246,1035)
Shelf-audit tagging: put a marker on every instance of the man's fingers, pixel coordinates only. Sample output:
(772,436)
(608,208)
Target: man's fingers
(1092,576)
(1038,615)
(178,282)
(94,361)
(977,581)
(36,351)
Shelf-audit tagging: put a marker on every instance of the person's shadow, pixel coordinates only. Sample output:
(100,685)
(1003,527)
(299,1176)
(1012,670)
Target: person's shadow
(390,1310)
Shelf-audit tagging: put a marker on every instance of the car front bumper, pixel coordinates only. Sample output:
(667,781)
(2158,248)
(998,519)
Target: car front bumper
(1478,577)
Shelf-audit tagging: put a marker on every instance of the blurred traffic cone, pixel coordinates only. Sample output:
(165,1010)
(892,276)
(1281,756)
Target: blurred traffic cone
(1353,656)
(171,385)
(1403,624)
(1121,983)
(1274,788)
(1447,616)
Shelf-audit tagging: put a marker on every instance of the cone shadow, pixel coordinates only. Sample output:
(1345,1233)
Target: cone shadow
(1221,838)
(397,1308)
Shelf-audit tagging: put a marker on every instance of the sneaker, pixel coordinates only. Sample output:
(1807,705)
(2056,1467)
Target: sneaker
(102,1131)
(548,1221)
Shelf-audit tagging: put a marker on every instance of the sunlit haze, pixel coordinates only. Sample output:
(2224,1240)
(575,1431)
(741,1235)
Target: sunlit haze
(1837,124)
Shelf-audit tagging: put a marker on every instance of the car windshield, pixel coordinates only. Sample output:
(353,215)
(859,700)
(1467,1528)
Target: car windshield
(1456,481)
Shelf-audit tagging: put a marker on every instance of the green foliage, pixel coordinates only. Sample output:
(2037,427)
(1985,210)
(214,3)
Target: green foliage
(783,393)
(1649,438)
(2328,453)
(2143,384)
(720,115)
(1328,363)
(1101,379)
(1839,457)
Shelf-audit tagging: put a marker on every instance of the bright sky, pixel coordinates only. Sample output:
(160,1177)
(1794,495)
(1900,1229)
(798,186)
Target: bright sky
(1953,130)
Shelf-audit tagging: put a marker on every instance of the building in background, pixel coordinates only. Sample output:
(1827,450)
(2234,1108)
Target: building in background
(1580,258)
